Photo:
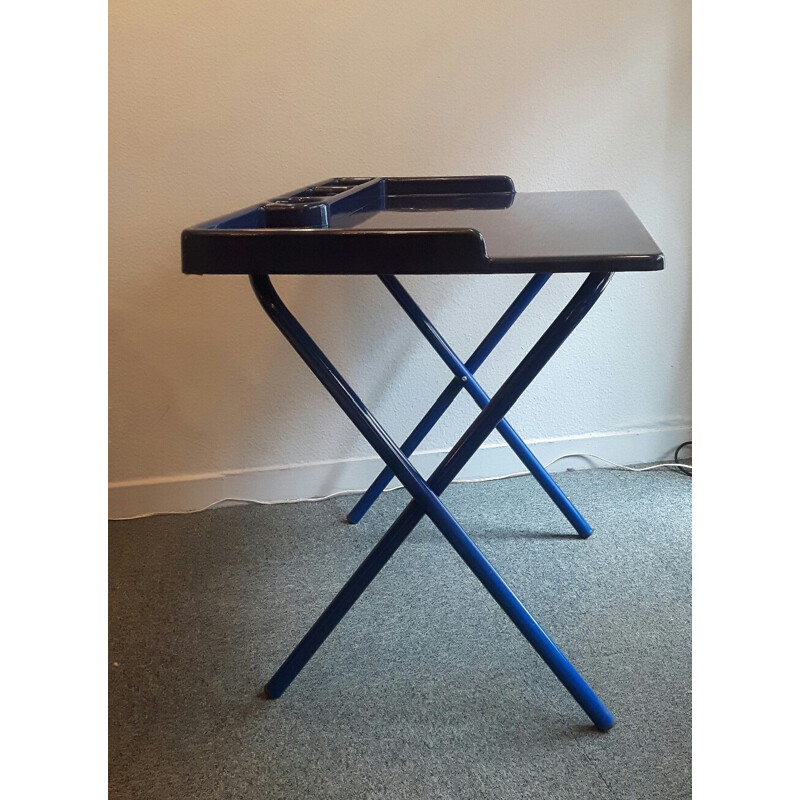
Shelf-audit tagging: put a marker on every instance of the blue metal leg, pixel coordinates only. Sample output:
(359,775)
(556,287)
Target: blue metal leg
(446,398)
(474,389)
(425,496)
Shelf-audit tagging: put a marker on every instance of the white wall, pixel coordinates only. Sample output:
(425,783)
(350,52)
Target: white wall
(215,106)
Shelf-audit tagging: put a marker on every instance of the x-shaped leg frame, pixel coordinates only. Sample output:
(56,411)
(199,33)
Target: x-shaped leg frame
(464,378)
(425,494)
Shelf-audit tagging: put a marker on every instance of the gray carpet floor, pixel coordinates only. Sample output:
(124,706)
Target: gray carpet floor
(425,690)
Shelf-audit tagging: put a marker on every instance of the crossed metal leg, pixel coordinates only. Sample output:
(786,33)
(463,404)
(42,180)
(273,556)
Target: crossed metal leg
(425,494)
(464,375)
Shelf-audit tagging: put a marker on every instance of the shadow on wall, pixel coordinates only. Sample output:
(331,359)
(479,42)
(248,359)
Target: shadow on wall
(207,376)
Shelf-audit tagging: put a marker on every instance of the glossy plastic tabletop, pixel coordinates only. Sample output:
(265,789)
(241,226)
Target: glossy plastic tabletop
(375,230)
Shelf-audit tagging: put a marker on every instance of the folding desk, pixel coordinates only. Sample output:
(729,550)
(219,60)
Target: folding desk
(419,226)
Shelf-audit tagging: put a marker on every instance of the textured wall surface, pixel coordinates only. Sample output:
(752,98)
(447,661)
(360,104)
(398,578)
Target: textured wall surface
(217,106)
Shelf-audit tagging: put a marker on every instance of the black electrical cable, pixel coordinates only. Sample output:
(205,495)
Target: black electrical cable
(676,459)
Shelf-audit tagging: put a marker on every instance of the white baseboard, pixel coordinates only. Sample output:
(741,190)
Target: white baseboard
(296,481)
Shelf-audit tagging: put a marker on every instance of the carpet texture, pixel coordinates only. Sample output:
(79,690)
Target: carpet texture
(425,690)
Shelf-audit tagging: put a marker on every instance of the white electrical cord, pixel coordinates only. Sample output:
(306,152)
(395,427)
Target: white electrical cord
(395,488)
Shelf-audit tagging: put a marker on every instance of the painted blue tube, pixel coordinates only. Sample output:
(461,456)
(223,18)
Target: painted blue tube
(425,496)
(446,398)
(561,666)
(474,389)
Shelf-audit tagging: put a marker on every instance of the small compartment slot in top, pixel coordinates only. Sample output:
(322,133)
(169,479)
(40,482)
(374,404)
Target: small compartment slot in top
(303,198)
(346,183)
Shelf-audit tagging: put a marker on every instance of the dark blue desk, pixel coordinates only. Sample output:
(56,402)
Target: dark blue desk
(404,226)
